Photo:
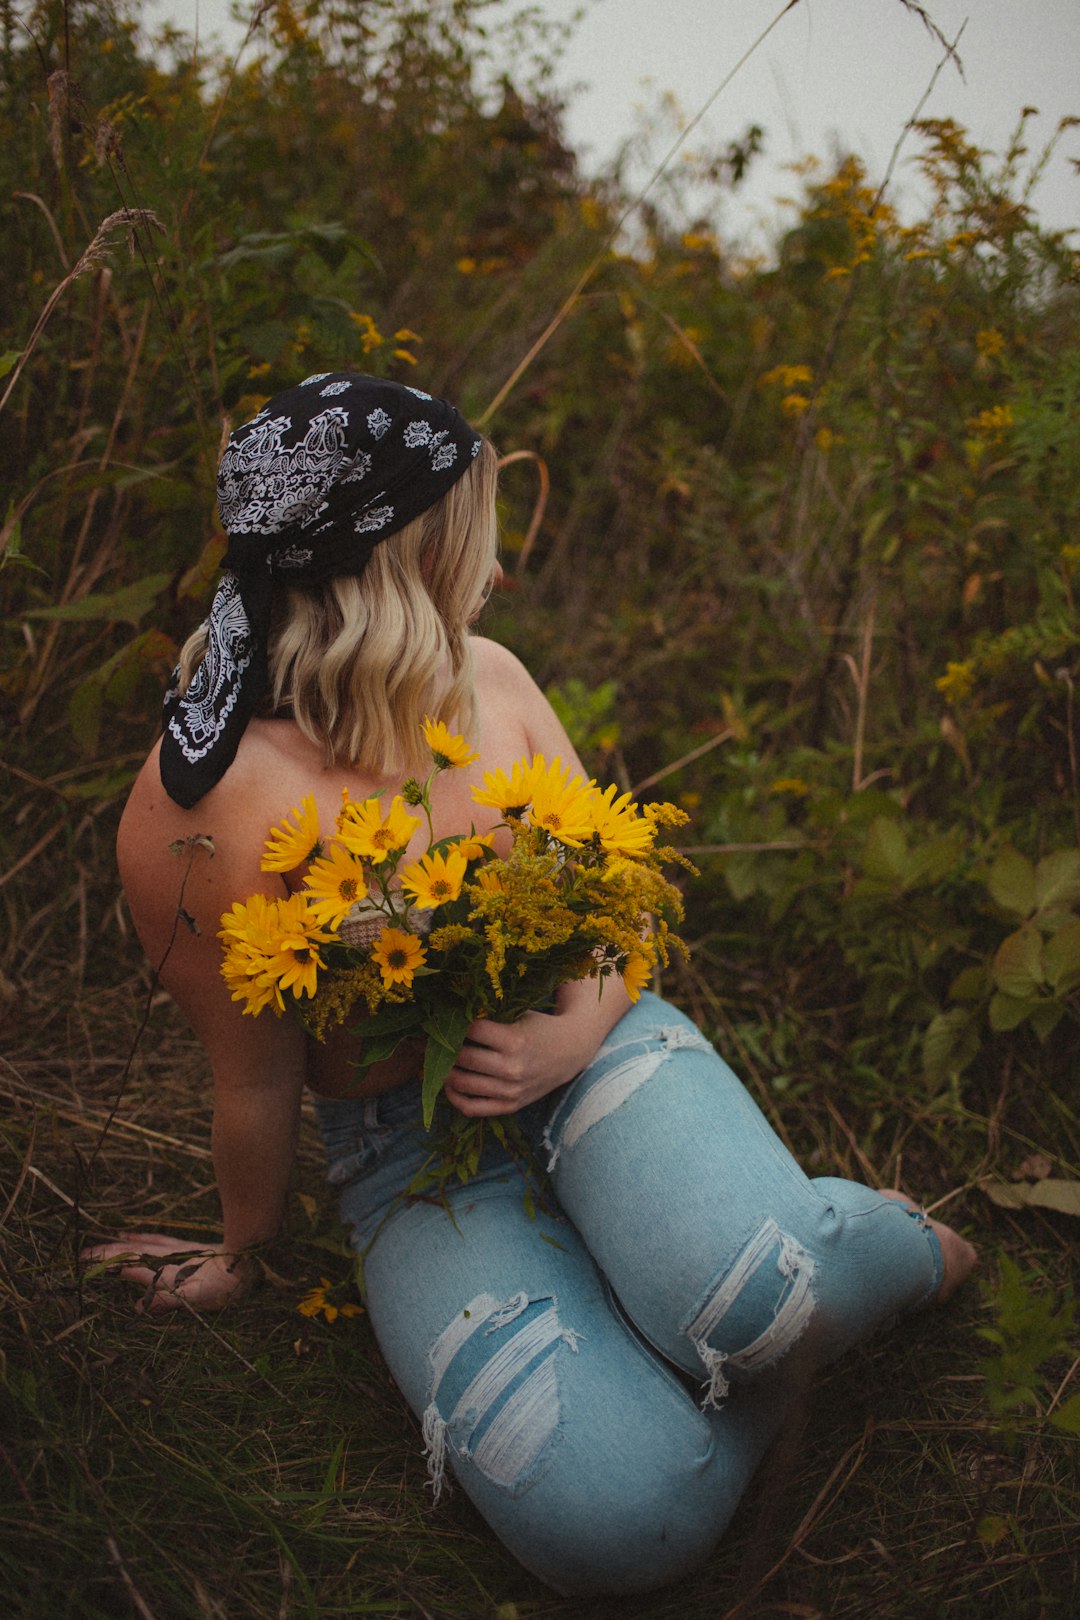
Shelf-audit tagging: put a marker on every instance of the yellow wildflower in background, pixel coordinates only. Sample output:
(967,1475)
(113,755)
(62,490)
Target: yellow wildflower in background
(794,404)
(989,426)
(370,336)
(789,784)
(336,882)
(449,750)
(957,682)
(367,832)
(989,342)
(288,847)
(435,879)
(398,955)
(788,376)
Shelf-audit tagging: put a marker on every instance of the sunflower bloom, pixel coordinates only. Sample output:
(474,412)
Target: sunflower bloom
(619,826)
(271,946)
(512,794)
(448,749)
(296,961)
(365,831)
(476,845)
(636,973)
(315,1303)
(561,805)
(490,881)
(335,883)
(397,955)
(436,879)
(288,847)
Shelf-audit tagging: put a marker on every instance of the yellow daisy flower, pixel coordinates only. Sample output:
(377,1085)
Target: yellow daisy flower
(335,882)
(271,946)
(448,749)
(509,794)
(618,825)
(474,846)
(315,1303)
(636,973)
(296,960)
(560,805)
(490,881)
(397,956)
(365,831)
(289,847)
(435,879)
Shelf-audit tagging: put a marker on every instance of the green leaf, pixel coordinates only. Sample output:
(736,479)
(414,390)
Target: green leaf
(1057,880)
(936,858)
(8,359)
(1046,1017)
(741,874)
(445,1029)
(1062,955)
(885,853)
(129,605)
(970,983)
(1051,1193)
(950,1044)
(1067,1415)
(1005,1012)
(1018,968)
(1011,881)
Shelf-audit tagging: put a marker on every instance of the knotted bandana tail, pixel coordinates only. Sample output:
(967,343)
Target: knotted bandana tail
(306,490)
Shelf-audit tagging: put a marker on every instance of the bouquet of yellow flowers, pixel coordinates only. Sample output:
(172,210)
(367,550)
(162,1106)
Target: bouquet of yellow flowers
(422,947)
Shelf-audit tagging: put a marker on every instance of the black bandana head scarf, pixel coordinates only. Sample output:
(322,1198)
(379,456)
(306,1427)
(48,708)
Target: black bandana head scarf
(306,490)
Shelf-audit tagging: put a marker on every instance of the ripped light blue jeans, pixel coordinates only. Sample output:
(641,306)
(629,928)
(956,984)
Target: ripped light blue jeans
(603,1381)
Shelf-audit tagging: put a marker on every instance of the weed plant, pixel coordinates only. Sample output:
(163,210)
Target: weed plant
(810,561)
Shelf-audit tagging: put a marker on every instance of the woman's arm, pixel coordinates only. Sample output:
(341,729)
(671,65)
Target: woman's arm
(504,1067)
(177,886)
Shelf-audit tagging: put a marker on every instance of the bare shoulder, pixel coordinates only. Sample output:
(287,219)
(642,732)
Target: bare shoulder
(494,662)
(507,691)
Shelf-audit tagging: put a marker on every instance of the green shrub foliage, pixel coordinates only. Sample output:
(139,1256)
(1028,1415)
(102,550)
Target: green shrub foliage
(812,538)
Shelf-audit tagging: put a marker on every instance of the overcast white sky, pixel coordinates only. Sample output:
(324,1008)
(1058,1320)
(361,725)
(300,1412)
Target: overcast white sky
(845,73)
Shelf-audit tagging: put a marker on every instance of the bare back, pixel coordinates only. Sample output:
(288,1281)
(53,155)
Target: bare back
(274,768)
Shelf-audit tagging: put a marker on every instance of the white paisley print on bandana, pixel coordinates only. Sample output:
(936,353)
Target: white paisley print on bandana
(307,488)
(212,694)
(263,488)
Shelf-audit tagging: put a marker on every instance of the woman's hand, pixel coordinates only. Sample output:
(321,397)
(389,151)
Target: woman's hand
(173,1272)
(504,1067)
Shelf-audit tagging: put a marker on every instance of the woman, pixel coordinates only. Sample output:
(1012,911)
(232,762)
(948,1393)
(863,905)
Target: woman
(602,1380)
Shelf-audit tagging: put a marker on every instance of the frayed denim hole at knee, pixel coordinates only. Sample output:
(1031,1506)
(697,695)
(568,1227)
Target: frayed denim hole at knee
(494,1390)
(595,1095)
(716,1323)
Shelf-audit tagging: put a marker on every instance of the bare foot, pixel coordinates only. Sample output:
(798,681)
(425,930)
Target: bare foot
(958,1255)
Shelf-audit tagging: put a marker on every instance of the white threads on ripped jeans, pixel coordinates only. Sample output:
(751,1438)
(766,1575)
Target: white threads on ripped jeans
(791,1315)
(508,1447)
(612,1089)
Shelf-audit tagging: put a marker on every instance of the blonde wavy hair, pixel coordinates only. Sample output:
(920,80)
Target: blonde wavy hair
(359,662)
